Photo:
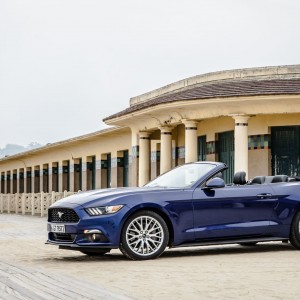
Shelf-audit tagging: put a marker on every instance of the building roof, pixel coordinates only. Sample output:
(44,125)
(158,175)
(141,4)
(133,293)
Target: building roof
(245,82)
(82,138)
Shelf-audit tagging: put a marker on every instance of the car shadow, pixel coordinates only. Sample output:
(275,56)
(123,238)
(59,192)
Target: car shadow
(227,250)
(232,249)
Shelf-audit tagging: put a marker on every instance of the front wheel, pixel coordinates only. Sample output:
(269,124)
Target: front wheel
(145,235)
(295,231)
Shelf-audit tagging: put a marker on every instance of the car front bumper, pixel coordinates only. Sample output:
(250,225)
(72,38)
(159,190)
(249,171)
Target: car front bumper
(90,232)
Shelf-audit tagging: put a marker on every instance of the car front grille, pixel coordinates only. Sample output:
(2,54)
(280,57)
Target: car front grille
(62,215)
(62,237)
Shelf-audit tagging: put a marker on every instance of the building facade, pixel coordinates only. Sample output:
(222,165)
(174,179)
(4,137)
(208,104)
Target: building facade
(248,118)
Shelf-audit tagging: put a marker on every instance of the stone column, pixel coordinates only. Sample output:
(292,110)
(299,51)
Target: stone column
(144,159)
(18,181)
(83,173)
(165,149)
(98,171)
(32,179)
(134,158)
(42,178)
(5,182)
(25,181)
(60,176)
(12,181)
(241,143)
(114,169)
(50,171)
(191,148)
(71,174)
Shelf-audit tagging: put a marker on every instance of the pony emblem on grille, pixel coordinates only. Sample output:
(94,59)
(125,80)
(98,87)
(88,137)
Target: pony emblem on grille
(60,214)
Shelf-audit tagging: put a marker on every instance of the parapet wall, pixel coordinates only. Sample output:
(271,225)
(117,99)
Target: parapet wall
(264,73)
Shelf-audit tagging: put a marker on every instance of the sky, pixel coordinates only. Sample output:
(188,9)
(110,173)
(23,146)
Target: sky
(67,64)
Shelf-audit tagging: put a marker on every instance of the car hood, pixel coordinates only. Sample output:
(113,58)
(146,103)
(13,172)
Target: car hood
(110,196)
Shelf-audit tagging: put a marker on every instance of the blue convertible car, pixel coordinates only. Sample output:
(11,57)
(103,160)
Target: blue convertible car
(187,206)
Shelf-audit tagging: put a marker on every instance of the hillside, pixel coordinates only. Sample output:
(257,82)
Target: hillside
(11,149)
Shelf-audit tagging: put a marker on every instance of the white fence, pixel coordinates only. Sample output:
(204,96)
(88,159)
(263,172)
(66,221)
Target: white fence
(33,203)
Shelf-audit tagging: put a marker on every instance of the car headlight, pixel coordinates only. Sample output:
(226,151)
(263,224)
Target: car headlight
(103,210)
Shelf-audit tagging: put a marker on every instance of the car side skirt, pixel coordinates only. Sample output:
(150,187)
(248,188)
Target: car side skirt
(234,241)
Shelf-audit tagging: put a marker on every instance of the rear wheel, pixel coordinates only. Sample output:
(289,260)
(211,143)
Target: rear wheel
(295,231)
(145,235)
(98,252)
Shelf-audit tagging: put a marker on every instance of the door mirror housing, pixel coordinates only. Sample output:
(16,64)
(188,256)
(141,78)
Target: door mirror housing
(215,183)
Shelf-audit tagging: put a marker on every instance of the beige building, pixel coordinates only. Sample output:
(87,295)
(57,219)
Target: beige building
(248,118)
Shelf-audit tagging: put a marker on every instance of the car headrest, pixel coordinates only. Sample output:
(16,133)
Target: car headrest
(258,180)
(239,178)
(269,179)
(279,178)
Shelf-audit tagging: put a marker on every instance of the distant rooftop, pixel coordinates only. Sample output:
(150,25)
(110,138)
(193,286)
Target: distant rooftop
(89,136)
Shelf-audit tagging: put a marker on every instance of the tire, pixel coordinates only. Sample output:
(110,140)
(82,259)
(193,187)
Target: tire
(98,252)
(250,244)
(295,231)
(145,235)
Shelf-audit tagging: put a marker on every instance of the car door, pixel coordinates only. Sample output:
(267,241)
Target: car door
(233,211)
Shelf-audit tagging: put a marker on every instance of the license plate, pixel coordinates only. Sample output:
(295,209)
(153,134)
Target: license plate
(57,228)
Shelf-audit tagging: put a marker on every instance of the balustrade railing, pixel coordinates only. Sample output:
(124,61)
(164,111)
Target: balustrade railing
(30,203)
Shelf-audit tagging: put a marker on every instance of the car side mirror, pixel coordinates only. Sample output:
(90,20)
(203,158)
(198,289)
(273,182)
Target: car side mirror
(215,183)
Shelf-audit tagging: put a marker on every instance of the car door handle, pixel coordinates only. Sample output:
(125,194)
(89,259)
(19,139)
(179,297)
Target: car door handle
(264,196)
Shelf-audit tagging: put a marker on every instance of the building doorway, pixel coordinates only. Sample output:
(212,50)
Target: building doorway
(226,153)
(91,173)
(285,150)
(202,148)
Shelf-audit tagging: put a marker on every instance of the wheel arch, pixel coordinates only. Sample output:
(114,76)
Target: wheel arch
(157,210)
(296,211)
(294,236)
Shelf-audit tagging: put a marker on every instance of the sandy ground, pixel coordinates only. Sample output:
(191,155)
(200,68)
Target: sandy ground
(266,271)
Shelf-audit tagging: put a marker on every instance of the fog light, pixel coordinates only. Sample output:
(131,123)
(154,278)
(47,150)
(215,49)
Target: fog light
(94,235)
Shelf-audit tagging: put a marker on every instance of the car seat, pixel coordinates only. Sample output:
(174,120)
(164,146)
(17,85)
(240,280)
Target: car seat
(279,178)
(239,178)
(258,180)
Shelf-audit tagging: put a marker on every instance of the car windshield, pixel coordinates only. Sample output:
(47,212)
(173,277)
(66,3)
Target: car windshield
(181,177)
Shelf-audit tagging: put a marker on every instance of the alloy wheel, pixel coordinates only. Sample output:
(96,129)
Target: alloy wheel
(144,235)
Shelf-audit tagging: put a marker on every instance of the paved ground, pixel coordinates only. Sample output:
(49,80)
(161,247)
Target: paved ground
(29,269)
